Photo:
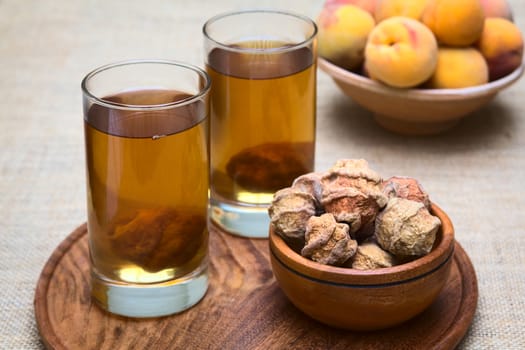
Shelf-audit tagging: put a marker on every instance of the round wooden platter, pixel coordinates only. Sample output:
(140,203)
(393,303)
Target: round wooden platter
(243,308)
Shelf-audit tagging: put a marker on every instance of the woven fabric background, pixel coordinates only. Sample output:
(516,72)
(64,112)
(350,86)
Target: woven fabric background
(476,171)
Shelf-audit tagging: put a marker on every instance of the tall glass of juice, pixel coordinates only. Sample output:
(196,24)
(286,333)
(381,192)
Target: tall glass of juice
(146,141)
(262,112)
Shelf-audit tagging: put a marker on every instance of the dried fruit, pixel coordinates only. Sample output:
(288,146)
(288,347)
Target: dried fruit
(406,228)
(158,238)
(271,166)
(311,183)
(352,193)
(289,211)
(329,216)
(327,241)
(406,187)
(370,256)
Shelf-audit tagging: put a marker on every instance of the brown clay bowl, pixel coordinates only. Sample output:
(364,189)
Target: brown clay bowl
(364,299)
(415,111)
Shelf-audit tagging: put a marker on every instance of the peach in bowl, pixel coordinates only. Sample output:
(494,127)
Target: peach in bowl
(422,68)
(364,299)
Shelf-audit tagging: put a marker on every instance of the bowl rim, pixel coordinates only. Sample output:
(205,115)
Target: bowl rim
(350,78)
(440,255)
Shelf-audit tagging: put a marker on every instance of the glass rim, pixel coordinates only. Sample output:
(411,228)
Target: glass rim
(293,47)
(131,107)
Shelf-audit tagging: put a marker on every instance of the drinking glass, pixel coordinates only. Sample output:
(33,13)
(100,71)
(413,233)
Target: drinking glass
(262,112)
(146,142)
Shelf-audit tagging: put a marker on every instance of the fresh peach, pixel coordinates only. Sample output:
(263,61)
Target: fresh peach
(367,5)
(401,52)
(459,67)
(390,8)
(496,8)
(501,44)
(454,22)
(343,32)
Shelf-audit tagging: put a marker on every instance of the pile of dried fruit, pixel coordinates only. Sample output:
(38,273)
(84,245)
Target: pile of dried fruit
(348,216)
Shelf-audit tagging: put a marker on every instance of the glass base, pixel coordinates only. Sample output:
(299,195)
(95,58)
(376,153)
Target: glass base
(150,300)
(241,220)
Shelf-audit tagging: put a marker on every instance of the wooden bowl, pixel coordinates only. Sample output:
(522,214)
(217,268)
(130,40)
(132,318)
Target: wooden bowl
(415,111)
(364,299)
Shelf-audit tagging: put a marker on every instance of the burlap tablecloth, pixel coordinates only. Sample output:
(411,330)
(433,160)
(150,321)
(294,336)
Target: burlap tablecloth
(476,171)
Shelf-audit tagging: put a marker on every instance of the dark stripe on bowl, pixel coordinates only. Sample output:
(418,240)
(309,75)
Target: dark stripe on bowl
(379,285)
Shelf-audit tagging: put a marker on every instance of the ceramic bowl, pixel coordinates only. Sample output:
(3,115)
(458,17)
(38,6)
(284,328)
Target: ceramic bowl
(364,299)
(415,111)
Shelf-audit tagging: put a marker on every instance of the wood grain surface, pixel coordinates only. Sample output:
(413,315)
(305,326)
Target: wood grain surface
(243,309)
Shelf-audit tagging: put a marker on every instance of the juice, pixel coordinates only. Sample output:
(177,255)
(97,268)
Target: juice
(262,122)
(147,184)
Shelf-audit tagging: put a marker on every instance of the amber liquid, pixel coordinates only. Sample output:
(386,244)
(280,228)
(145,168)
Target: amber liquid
(262,130)
(147,184)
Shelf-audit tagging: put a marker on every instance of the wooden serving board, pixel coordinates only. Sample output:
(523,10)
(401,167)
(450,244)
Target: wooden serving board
(243,309)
